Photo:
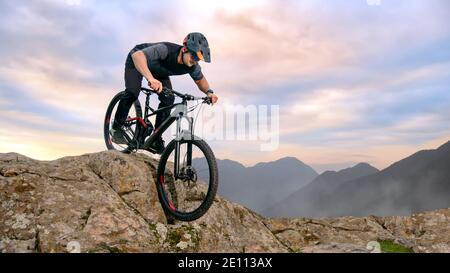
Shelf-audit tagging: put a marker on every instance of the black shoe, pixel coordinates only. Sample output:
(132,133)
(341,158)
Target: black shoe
(118,136)
(157,146)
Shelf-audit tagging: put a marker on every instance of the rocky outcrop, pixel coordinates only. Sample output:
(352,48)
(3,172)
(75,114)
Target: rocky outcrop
(107,202)
(424,232)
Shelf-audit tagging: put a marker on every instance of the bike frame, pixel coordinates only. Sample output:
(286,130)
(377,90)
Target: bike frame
(179,112)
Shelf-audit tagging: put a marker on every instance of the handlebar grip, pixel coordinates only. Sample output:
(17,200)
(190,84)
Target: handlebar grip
(184,96)
(148,90)
(154,91)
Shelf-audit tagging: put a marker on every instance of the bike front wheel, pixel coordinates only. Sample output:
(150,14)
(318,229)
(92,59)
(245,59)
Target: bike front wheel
(188,195)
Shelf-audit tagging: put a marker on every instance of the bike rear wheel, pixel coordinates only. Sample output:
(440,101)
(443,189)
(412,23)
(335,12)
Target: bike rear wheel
(130,127)
(189,196)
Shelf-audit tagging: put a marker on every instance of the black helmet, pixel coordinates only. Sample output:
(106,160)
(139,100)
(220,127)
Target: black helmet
(196,43)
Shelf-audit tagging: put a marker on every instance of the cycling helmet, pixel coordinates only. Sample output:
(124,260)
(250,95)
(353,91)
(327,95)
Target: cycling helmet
(197,44)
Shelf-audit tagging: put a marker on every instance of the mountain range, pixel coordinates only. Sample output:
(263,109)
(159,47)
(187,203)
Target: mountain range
(263,185)
(417,183)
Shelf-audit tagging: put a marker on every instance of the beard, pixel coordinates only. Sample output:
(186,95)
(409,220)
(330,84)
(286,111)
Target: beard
(185,60)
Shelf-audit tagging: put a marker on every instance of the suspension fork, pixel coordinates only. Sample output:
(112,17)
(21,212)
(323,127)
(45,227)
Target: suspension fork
(176,165)
(189,144)
(178,139)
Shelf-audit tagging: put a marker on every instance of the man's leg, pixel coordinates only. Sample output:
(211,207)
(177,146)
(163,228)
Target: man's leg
(164,100)
(133,82)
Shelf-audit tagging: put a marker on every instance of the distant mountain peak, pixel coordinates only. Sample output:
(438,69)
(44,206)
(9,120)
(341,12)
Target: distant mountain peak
(231,162)
(445,146)
(364,165)
(290,159)
(360,169)
(283,160)
(329,173)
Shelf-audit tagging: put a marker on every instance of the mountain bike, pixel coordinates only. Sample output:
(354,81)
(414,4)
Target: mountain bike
(187,174)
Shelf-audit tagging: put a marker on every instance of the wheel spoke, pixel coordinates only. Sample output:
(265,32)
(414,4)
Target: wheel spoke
(189,192)
(129,127)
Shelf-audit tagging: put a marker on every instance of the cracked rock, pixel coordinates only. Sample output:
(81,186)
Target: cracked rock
(107,202)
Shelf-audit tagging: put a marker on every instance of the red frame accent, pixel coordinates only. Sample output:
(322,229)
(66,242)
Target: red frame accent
(161,180)
(140,120)
(172,207)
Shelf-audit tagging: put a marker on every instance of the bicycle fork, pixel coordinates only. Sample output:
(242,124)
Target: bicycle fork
(180,135)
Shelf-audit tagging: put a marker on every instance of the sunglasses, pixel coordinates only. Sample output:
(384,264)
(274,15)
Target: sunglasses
(194,56)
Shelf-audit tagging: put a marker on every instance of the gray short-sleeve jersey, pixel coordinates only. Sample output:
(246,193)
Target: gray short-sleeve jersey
(156,52)
(162,60)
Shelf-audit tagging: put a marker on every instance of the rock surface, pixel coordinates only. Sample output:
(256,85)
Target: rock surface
(107,202)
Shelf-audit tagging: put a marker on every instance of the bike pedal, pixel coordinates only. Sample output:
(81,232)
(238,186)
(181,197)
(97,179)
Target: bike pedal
(129,149)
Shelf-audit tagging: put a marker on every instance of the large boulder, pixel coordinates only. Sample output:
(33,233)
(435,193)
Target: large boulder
(107,202)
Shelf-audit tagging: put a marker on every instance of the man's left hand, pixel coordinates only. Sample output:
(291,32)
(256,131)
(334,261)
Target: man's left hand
(213,98)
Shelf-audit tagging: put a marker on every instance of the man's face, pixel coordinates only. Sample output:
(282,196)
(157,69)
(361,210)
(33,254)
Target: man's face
(188,60)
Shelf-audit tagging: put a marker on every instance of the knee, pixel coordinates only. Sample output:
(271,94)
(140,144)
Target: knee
(166,99)
(131,94)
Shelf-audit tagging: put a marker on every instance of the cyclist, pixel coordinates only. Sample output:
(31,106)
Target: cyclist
(156,62)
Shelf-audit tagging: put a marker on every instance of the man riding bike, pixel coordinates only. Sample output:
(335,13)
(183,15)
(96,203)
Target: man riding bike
(156,62)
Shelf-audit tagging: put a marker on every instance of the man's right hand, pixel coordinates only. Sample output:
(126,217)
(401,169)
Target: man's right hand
(155,85)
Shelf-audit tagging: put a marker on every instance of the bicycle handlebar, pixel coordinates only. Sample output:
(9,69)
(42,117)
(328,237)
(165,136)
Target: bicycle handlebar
(183,96)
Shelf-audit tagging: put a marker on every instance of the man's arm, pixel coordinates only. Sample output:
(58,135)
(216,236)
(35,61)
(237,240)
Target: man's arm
(140,62)
(203,85)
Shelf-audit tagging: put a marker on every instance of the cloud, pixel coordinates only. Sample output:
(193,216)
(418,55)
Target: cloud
(373,107)
(349,78)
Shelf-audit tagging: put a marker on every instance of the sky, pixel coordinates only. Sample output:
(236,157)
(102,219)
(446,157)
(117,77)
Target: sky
(354,81)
